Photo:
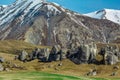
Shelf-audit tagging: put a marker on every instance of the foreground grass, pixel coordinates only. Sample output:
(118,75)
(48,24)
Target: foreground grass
(35,76)
(42,76)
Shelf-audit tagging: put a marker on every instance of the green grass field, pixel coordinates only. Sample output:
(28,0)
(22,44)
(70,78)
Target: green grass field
(42,76)
(35,76)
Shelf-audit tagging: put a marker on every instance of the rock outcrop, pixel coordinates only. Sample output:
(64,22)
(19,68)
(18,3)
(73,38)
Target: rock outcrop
(110,55)
(23,56)
(83,54)
(1,67)
(2,60)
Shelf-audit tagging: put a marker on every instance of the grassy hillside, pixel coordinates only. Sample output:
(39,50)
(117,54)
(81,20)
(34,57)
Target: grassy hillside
(12,46)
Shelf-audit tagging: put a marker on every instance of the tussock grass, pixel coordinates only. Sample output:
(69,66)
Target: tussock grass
(13,46)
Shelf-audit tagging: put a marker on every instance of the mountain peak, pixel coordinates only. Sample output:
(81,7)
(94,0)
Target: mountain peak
(19,1)
(109,14)
(24,9)
(33,1)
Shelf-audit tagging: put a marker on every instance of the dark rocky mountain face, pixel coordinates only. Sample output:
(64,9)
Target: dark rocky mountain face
(44,23)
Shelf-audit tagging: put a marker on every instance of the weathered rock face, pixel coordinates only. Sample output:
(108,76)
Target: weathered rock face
(47,55)
(1,67)
(110,55)
(23,56)
(2,60)
(44,55)
(35,54)
(46,23)
(111,59)
(84,54)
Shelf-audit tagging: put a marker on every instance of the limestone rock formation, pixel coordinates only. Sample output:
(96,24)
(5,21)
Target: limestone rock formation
(23,56)
(1,67)
(84,54)
(2,60)
(110,55)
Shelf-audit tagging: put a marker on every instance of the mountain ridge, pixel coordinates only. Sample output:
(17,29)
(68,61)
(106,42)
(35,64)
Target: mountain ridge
(46,23)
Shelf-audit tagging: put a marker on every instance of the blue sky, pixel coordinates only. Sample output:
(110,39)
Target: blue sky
(82,6)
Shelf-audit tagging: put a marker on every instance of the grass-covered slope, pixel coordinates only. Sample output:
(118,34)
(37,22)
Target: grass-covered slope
(12,46)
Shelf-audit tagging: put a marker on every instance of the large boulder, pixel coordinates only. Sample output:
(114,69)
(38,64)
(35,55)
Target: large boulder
(110,55)
(46,53)
(93,52)
(43,55)
(64,52)
(23,56)
(58,56)
(40,54)
(116,51)
(1,67)
(55,53)
(2,60)
(111,58)
(35,54)
(86,53)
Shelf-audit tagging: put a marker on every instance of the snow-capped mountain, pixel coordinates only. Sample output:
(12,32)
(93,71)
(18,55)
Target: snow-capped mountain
(45,23)
(25,9)
(109,14)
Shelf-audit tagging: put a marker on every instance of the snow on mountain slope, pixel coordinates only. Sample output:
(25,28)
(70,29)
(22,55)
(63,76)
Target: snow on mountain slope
(24,9)
(109,14)
(19,7)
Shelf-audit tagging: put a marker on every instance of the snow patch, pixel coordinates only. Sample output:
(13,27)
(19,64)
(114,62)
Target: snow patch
(53,9)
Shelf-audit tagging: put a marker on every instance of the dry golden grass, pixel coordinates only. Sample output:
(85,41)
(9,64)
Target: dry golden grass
(13,46)
(100,45)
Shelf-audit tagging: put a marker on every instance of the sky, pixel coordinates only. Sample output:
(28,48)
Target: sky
(81,6)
